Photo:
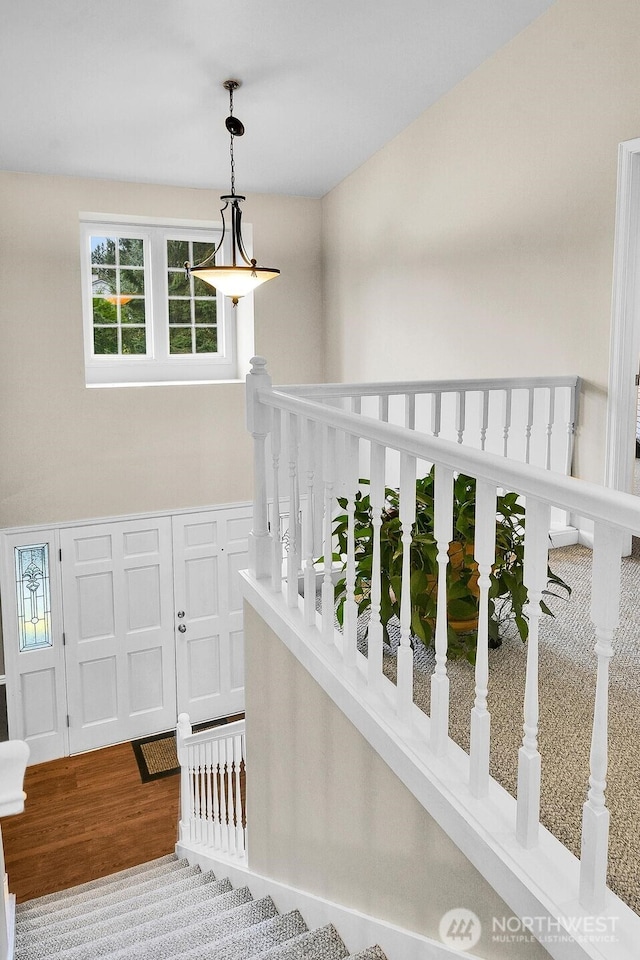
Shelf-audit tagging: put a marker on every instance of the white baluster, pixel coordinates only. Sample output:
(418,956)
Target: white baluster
(485,552)
(410,411)
(484,421)
(529,425)
(259,424)
(436,414)
(308,527)
(383,408)
(208,761)
(350,645)
(443,532)
(506,422)
(224,818)
(276,533)
(356,404)
(605,606)
(536,559)
(376,500)
(328,594)
(461,414)
(405,653)
(293,549)
(217,816)
(196,793)
(571,430)
(550,421)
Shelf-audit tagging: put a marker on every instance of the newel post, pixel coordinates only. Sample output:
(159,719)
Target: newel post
(183,730)
(259,426)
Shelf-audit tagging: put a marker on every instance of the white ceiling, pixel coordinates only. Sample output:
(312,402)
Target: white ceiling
(132,89)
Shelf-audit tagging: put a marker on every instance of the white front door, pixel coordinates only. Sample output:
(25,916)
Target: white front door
(209,548)
(118,615)
(34,655)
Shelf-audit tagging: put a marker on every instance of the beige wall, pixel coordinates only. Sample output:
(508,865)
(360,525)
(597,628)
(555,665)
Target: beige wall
(326,814)
(69,452)
(479,242)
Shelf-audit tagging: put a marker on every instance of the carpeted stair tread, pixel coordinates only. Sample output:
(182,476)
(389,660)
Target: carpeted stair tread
(177,924)
(245,944)
(39,944)
(371,953)
(129,873)
(173,945)
(97,910)
(139,883)
(323,943)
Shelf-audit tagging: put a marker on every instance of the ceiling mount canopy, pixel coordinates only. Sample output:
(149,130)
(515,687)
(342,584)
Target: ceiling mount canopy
(242,275)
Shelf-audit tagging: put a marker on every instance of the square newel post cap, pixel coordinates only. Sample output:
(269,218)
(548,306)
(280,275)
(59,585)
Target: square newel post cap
(258,381)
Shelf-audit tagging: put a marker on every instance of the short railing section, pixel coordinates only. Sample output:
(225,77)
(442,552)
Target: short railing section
(14,755)
(213,788)
(320,438)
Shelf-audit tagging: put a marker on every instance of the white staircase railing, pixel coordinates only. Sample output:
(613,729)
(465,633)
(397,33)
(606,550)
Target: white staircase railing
(212,788)
(326,449)
(14,755)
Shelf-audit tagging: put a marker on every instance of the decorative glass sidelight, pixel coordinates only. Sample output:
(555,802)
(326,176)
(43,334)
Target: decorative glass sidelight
(33,596)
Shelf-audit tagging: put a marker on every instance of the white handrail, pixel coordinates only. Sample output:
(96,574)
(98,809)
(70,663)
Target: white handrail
(212,788)
(323,441)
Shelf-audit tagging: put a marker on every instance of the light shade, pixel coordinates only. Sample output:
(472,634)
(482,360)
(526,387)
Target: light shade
(234,282)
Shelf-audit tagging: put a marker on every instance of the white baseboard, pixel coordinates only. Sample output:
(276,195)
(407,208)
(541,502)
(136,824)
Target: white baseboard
(356,929)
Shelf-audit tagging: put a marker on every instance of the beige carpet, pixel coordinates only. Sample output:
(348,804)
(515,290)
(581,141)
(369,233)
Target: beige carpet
(567,690)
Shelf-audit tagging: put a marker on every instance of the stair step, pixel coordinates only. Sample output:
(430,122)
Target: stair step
(206,933)
(260,937)
(115,902)
(173,924)
(323,943)
(371,953)
(51,898)
(108,887)
(55,937)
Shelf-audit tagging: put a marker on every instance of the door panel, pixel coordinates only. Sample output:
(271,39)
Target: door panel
(36,696)
(209,548)
(117,588)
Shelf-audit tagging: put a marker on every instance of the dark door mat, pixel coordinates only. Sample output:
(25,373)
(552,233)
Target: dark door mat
(157,756)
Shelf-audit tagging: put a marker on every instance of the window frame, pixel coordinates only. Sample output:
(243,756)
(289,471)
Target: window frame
(158,366)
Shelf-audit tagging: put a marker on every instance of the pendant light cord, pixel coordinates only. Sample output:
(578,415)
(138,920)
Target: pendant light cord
(233,163)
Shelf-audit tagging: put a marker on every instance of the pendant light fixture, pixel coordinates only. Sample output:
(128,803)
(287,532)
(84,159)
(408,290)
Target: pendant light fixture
(242,275)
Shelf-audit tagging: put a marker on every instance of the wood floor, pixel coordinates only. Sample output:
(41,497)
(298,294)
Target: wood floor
(86,817)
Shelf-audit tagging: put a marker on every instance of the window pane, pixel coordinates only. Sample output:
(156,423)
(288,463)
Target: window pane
(131,252)
(105,340)
(33,597)
(132,281)
(133,340)
(103,250)
(132,312)
(180,340)
(206,311)
(202,289)
(178,284)
(201,251)
(177,252)
(103,280)
(179,311)
(206,340)
(104,311)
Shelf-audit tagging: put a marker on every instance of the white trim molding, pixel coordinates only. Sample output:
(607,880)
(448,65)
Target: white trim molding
(625,322)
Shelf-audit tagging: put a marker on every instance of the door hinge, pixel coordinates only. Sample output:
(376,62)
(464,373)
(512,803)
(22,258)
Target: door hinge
(67,719)
(60,554)
(637,379)
(64,639)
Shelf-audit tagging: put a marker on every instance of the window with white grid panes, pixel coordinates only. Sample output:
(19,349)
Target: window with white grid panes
(145,320)
(193,304)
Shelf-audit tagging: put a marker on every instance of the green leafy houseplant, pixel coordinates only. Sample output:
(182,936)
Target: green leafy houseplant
(507,592)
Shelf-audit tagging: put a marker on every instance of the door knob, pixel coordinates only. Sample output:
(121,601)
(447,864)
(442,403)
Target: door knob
(182,628)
